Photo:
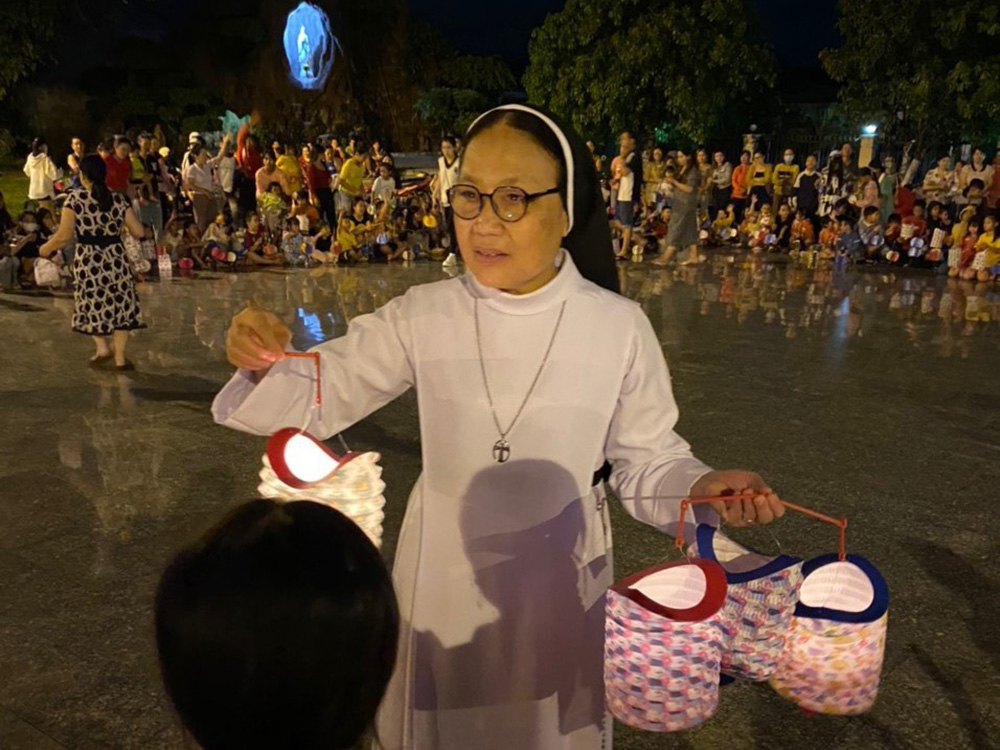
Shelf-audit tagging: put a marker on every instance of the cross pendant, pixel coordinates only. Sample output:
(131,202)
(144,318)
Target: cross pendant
(501,451)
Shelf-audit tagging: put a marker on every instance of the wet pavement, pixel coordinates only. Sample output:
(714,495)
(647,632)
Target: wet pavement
(870,394)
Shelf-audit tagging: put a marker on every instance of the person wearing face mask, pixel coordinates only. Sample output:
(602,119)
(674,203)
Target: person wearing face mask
(531,372)
(784,177)
(29,236)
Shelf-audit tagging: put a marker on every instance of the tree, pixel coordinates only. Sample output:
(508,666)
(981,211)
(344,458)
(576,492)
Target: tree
(457,88)
(929,81)
(26,29)
(608,65)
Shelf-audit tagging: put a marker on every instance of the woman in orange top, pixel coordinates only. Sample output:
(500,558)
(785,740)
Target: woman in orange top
(740,186)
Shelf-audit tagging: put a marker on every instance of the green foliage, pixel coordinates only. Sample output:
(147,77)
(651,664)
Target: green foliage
(610,65)
(26,31)
(936,64)
(456,88)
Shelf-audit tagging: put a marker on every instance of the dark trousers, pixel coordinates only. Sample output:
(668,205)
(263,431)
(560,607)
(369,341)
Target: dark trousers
(721,197)
(327,208)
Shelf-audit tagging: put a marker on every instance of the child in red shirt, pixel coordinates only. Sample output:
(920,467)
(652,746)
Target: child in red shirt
(915,225)
(802,228)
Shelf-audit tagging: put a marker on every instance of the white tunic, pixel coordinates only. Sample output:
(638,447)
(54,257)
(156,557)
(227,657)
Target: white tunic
(500,569)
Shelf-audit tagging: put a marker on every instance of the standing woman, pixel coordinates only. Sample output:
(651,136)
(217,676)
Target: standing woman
(706,169)
(73,160)
(200,182)
(504,557)
(105,303)
(683,229)
(42,174)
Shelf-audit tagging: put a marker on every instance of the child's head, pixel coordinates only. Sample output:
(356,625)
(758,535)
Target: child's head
(275,189)
(297,592)
(720,215)
(989,223)
(894,221)
(845,225)
(384,171)
(784,211)
(28,221)
(253,222)
(975,189)
(974,226)
(918,208)
(359,208)
(810,162)
(291,225)
(302,197)
(46,219)
(191,231)
(765,210)
(871,215)
(665,213)
(220,219)
(800,214)
(828,223)
(934,209)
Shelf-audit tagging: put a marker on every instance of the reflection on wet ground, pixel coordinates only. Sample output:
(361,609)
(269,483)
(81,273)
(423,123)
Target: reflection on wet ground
(867,393)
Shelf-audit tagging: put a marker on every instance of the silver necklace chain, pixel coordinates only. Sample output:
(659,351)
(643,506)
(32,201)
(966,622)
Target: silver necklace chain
(501,449)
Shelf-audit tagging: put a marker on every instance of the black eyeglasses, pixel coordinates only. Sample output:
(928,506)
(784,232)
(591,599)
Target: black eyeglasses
(509,203)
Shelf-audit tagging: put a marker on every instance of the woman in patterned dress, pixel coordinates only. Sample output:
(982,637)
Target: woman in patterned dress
(104,298)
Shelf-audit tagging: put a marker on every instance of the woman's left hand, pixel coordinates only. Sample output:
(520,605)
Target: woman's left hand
(763,507)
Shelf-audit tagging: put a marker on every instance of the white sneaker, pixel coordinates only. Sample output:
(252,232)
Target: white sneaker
(451,261)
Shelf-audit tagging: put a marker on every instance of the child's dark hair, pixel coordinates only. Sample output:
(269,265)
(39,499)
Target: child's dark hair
(277,629)
(894,218)
(800,212)
(932,205)
(920,202)
(871,211)
(357,201)
(827,221)
(977,183)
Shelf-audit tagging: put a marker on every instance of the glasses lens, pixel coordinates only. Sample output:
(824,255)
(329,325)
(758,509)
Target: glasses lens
(510,203)
(465,201)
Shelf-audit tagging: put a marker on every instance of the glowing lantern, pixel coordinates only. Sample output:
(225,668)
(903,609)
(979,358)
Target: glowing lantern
(663,646)
(833,658)
(297,466)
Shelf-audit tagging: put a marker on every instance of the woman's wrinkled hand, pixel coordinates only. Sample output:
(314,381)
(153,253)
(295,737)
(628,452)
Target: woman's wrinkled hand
(762,507)
(256,339)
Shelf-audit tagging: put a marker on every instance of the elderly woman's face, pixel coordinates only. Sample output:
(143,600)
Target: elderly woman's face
(517,257)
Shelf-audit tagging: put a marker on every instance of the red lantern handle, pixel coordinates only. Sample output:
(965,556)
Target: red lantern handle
(314,356)
(840,523)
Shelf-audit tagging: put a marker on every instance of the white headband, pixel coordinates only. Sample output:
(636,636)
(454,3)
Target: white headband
(563,141)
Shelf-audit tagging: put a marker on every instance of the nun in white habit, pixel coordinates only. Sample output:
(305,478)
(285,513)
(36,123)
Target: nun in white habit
(531,373)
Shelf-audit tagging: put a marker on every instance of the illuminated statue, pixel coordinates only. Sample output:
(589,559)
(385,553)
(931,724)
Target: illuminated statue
(309,46)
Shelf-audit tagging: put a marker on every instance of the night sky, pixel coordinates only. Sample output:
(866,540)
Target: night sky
(797,29)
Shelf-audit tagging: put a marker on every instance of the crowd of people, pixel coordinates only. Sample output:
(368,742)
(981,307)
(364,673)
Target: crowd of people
(242,204)
(675,201)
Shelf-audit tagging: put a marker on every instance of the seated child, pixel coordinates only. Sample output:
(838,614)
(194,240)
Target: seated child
(783,227)
(870,232)
(217,239)
(259,251)
(305,212)
(848,243)
(893,243)
(987,259)
(28,236)
(749,227)
(723,222)
(828,238)
(293,244)
(803,232)
(963,250)
(272,208)
(914,225)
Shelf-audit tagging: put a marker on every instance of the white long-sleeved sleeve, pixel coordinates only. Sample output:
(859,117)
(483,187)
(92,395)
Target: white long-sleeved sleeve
(360,372)
(648,458)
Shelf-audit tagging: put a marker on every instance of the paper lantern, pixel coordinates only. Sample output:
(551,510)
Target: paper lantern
(297,466)
(832,662)
(354,488)
(761,595)
(309,46)
(663,645)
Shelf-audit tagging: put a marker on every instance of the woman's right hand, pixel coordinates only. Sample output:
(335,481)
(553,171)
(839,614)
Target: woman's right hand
(256,339)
